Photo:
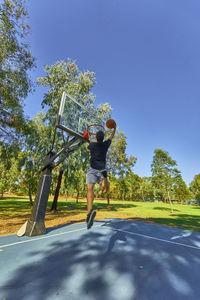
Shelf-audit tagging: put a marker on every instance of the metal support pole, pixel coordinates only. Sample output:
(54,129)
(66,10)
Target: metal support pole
(35,225)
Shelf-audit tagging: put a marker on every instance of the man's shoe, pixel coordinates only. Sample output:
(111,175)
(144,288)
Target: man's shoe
(90,218)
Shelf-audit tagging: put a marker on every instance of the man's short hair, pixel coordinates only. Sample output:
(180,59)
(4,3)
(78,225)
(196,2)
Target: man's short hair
(100,136)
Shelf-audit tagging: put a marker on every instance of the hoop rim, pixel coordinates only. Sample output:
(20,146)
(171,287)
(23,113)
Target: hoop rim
(92,133)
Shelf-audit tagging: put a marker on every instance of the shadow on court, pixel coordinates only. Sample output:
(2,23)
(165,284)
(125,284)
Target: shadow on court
(104,263)
(51,229)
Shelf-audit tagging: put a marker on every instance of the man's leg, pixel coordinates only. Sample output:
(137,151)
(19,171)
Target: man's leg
(105,185)
(90,196)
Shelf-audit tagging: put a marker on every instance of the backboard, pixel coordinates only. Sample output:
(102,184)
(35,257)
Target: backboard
(74,118)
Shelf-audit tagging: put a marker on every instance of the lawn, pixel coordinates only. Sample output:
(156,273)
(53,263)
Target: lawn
(14,211)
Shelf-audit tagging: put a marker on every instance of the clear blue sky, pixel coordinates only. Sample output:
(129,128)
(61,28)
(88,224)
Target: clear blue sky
(146,56)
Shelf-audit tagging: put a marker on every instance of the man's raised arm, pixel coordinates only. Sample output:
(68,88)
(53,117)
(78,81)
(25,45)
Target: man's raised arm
(113,133)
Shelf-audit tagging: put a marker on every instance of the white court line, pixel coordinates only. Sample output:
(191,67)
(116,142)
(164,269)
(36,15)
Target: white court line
(103,226)
(153,238)
(45,237)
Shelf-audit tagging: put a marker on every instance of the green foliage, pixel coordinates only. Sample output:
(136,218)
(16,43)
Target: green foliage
(181,191)
(164,173)
(34,154)
(133,182)
(15,62)
(118,162)
(146,188)
(65,76)
(76,172)
(10,168)
(104,112)
(195,186)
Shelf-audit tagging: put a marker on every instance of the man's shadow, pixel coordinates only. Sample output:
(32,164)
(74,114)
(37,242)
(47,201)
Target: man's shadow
(117,236)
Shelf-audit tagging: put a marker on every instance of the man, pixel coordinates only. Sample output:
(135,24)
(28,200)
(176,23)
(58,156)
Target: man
(97,173)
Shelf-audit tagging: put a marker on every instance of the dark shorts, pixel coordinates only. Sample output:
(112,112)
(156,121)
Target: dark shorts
(95,176)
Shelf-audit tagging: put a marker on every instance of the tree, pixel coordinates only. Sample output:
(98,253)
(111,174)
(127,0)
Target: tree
(195,186)
(134,186)
(164,173)
(65,76)
(181,191)
(9,166)
(15,62)
(118,162)
(146,188)
(34,152)
(75,171)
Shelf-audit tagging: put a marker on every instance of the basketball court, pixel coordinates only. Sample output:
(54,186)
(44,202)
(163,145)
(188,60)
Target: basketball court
(115,260)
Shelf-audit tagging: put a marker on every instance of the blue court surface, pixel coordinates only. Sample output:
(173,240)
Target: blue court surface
(115,260)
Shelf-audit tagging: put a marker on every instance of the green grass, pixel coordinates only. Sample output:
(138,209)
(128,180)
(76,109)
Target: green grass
(183,216)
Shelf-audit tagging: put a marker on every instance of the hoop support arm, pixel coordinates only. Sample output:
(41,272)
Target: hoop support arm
(69,151)
(74,139)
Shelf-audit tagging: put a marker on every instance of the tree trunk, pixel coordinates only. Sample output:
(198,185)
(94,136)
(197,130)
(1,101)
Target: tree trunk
(172,210)
(77,196)
(108,199)
(55,200)
(123,196)
(30,194)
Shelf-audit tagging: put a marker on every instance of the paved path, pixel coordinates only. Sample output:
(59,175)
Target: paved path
(115,260)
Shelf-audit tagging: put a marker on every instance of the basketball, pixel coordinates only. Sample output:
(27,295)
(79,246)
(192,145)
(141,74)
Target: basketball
(111,124)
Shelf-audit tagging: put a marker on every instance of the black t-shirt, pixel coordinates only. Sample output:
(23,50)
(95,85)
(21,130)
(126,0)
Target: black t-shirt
(98,153)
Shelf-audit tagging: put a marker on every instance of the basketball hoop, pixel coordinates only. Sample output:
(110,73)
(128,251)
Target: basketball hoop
(86,135)
(94,128)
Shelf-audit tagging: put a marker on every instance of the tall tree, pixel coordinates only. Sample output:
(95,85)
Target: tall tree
(133,182)
(181,191)
(164,173)
(119,163)
(65,76)
(146,188)
(9,166)
(34,153)
(195,186)
(15,62)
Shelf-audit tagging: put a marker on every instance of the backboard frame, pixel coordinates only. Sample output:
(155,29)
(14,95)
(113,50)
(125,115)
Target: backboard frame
(70,130)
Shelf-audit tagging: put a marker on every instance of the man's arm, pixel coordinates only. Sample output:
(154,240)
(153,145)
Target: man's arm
(112,134)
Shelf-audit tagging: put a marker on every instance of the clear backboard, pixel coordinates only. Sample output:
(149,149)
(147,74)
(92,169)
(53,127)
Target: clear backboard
(74,118)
